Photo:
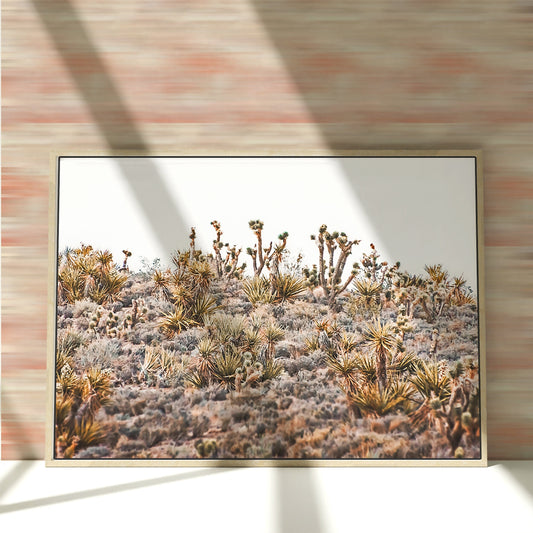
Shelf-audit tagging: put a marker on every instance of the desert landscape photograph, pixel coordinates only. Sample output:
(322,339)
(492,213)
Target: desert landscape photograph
(270,308)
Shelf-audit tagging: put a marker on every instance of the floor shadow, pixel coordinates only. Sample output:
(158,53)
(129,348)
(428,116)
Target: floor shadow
(28,451)
(353,66)
(298,502)
(112,117)
(81,495)
(521,472)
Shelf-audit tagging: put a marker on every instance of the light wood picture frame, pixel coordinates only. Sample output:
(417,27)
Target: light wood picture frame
(319,309)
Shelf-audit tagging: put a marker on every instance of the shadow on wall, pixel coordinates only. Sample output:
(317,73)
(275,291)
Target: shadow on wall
(113,119)
(374,75)
(295,488)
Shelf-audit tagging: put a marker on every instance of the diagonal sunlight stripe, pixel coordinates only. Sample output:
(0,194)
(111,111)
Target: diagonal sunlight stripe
(106,105)
(81,495)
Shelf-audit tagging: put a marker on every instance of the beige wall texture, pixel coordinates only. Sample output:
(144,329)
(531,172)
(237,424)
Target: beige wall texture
(255,75)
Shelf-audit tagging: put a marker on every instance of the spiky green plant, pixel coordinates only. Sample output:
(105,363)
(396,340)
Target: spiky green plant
(168,364)
(345,366)
(88,273)
(67,344)
(151,363)
(252,340)
(78,399)
(258,290)
(374,401)
(405,362)
(201,274)
(430,379)
(367,294)
(203,306)
(271,369)
(225,365)
(272,334)
(311,343)
(196,379)
(175,322)
(381,339)
(287,287)
(366,364)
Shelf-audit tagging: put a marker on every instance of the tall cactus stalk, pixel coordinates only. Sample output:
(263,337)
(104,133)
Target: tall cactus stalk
(330,271)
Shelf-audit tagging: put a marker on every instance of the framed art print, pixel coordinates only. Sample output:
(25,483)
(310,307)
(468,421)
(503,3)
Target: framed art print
(267,310)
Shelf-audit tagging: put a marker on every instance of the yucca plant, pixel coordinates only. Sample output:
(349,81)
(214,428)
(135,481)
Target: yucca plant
(345,366)
(175,322)
(405,362)
(201,274)
(207,349)
(311,343)
(272,334)
(271,369)
(67,344)
(68,383)
(88,273)
(381,339)
(78,399)
(367,294)
(196,379)
(258,290)
(168,364)
(374,401)
(161,282)
(348,342)
(460,294)
(287,287)
(151,363)
(203,306)
(432,379)
(225,365)
(366,364)
(252,340)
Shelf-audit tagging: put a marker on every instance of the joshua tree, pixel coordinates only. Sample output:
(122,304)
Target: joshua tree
(329,273)
(192,238)
(227,266)
(127,255)
(269,256)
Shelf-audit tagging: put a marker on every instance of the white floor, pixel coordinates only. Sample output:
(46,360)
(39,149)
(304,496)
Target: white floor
(498,498)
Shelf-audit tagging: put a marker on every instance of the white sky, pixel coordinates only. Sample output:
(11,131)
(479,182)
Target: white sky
(415,210)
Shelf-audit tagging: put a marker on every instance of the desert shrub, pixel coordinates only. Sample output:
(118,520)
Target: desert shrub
(78,400)
(152,436)
(68,342)
(87,273)
(100,353)
(279,448)
(94,452)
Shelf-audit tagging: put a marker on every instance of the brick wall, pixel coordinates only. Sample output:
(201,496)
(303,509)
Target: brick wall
(257,75)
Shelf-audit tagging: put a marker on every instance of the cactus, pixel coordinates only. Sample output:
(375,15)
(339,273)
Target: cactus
(111,324)
(137,314)
(206,448)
